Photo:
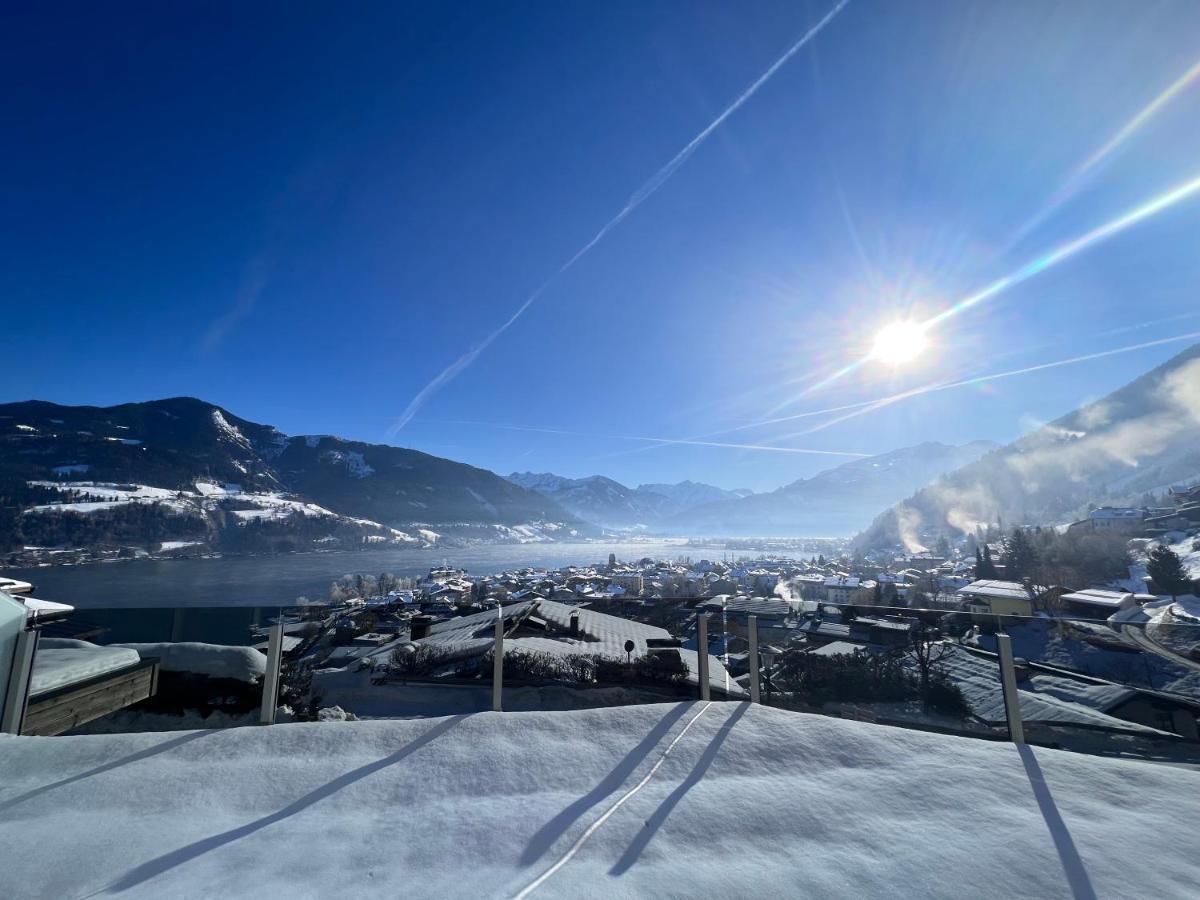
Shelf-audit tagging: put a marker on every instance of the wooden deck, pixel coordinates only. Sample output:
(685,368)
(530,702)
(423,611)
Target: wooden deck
(76,704)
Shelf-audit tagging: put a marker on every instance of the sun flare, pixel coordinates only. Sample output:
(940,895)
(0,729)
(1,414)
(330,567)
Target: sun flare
(899,343)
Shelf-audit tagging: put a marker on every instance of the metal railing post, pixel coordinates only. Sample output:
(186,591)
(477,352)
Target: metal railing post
(17,696)
(270,698)
(498,667)
(752,629)
(702,654)
(1008,682)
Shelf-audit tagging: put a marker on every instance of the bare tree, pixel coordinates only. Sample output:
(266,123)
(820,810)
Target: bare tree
(926,649)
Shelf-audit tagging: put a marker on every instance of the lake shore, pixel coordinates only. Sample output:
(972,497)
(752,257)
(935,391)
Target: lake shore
(274,580)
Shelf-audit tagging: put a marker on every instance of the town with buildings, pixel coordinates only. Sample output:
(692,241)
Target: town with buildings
(906,638)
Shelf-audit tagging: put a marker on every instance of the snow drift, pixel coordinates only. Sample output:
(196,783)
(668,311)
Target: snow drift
(215,661)
(680,799)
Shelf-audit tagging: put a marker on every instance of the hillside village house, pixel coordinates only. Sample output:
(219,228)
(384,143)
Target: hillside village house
(996,598)
(541,627)
(840,589)
(811,586)
(1097,603)
(1117,519)
(632,582)
(871,633)
(923,562)
(772,616)
(1054,697)
(764,582)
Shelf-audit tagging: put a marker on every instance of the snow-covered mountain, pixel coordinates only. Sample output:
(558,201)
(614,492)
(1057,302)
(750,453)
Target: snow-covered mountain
(838,501)
(215,462)
(1140,439)
(609,503)
(685,495)
(596,499)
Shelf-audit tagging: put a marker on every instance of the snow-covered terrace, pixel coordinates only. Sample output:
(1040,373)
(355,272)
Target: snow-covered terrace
(670,800)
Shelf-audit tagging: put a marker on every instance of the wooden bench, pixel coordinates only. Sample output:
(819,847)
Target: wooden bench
(73,705)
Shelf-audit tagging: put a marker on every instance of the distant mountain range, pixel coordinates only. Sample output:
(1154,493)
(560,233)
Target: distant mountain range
(613,505)
(836,502)
(833,503)
(229,471)
(1139,440)
(185,471)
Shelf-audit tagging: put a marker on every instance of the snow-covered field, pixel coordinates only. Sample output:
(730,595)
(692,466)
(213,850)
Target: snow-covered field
(207,496)
(670,800)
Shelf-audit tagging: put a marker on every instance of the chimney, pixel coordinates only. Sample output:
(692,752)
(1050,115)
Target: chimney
(1021,669)
(419,627)
(575,624)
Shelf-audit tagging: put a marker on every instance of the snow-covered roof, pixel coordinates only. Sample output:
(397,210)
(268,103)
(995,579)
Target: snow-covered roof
(1098,597)
(825,629)
(885,623)
(290,643)
(599,634)
(838,648)
(1117,512)
(1046,699)
(845,581)
(13,586)
(990,587)
(755,606)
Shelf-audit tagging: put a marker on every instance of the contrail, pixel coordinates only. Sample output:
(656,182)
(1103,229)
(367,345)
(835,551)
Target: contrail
(659,440)
(1079,176)
(861,404)
(1040,264)
(637,199)
(862,407)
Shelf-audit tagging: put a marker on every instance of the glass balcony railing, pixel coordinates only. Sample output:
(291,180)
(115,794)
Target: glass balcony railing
(1127,683)
(1122,682)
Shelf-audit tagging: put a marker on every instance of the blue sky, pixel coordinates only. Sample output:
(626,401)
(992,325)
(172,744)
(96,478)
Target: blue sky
(305,215)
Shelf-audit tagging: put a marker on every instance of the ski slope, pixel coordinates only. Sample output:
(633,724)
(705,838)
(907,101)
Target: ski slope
(669,800)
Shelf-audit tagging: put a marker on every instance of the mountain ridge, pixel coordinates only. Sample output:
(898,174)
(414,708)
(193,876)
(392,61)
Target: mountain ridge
(834,502)
(1137,440)
(180,443)
(607,502)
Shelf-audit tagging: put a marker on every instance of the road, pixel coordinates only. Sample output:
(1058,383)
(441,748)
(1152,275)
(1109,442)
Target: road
(1133,629)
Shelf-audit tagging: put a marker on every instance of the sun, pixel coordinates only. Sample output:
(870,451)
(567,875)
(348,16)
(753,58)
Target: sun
(899,343)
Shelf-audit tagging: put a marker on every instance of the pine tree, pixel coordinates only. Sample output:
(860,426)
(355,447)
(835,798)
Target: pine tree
(1166,568)
(1020,557)
(984,566)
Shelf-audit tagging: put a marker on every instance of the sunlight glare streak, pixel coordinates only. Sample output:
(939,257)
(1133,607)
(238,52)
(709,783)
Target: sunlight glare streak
(1079,176)
(873,405)
(1040,264)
